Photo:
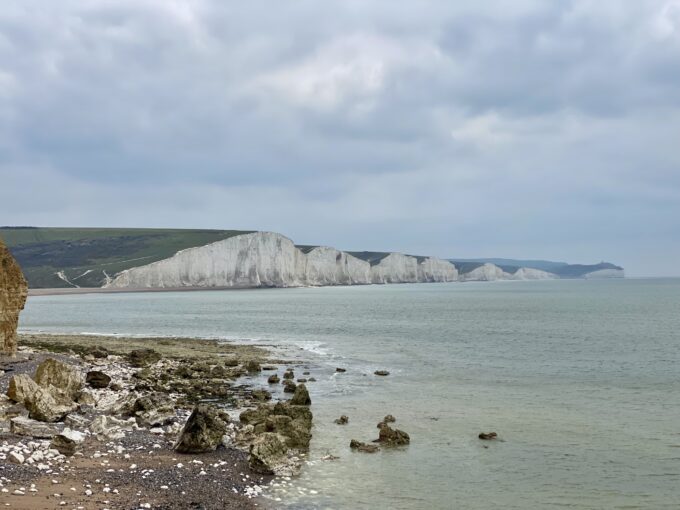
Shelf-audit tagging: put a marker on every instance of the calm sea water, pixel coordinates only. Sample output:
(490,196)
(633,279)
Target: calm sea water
(581,379)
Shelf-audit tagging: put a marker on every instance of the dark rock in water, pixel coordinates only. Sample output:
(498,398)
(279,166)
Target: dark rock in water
(343,420)
(268,367)
(203,430)
(267,453)
(305,373)
(392,437)
(261,395)
(381,372)
(341,370)
(311,379)
(363,447)
(231,362)
(97,379)
(273,379)
(488,436)
(253,366)
(388,419)
(289,374)
(143,357)
(67,442)
(289,386)
(301,396)
(302,380)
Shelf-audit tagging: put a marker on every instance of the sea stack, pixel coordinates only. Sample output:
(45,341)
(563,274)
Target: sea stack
(13,292)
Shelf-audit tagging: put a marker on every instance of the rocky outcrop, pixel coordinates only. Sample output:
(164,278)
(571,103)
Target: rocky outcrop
(13,292)
(203,431)
(267,259)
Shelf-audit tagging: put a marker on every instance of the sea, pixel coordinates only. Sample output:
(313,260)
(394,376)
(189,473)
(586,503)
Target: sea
(580,379)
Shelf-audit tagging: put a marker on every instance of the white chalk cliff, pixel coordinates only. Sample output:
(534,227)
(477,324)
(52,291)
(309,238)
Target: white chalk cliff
(267,259)
(486,273)
(528,273)
(605,273)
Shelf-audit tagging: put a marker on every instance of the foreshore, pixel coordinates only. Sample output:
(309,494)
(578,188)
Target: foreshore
(129,428)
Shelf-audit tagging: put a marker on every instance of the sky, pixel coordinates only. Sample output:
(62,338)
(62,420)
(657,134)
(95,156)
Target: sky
(518,128)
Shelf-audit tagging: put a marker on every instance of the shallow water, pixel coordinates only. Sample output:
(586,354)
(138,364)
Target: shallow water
(580,379)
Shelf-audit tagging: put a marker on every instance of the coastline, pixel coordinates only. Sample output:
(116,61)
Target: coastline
(138,465)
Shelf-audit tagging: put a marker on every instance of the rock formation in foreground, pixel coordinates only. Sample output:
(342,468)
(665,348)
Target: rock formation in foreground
(267,259)
(13,292)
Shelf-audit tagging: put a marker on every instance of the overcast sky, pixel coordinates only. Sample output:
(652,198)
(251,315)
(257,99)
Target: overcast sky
(518,128)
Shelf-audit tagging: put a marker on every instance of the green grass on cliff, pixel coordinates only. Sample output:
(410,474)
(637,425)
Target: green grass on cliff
(84,255)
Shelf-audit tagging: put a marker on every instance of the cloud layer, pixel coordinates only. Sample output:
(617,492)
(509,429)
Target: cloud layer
(505,128)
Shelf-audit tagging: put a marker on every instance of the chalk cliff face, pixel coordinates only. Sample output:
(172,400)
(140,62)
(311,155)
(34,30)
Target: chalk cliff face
(13,292)
(486,273)
(266,259)
(605,273)
(528,273)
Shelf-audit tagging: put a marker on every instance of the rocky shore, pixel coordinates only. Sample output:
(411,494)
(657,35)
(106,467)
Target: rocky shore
(109,422)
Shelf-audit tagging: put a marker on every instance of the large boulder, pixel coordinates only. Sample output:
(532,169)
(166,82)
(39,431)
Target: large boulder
(21,386)
(60,375)
(22,426)
(268,454)
(392,437)
(296,432)
(13,292)
(203,431)
(67,442)
(153,410)
(301,396)
(43,403)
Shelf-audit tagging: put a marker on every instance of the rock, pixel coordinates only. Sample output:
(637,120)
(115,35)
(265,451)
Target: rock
(305,373)
(289,374)
(261,395)
(49,404)
(97,379)
(60,375)
(341,370)
(20,387)
(488,436)
(143,357)
(268,454)
(115,386)
(388,419)
(67,442)
(363,447)
(295,431)
(154,410)
(109,427)
(76,420)
(268,367)
(15,458)
(98,352)
(273,379)
(301,380)
(253,366)
(13,292)
(220,372)
(311,379)
(231,362)
(289,386)
(392,437)
(203,430)
(22,426)
(301,396)
(381,372)
(343,420)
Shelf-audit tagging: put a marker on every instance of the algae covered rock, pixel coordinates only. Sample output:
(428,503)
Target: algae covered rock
(392,437)
(268,454)
(203,431)
(301,396)
(143,357)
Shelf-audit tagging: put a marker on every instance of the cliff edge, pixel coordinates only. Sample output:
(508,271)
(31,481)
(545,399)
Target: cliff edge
(13,292)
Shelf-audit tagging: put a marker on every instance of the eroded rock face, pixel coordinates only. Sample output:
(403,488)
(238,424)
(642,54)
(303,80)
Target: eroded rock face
(60,375)
(13,292)
(203,431)
(268,453)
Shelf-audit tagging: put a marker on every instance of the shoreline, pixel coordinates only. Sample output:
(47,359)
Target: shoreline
(138,465)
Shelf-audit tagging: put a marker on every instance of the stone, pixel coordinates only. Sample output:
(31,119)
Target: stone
(67,442)
(268,367)
(252,366)
(60,375)
(301,380)
(97,379)
(261,395)
(15,458)
(343,420)
(392,437)
(97,352)
(288,386)
(382,372)
(13,293)
(388,419)
(143,357)
(203,431)
(289,374)
(301,396)
(49,404)
(268,453)
(311,379)
(296,432)
(273,379)
(488,436)
(22,426)
(363,447)
(341,370)
(154,410)
(21,386)
(110,427)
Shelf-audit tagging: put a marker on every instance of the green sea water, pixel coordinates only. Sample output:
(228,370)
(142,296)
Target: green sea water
(580,379)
